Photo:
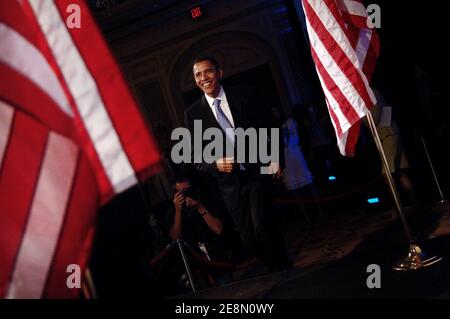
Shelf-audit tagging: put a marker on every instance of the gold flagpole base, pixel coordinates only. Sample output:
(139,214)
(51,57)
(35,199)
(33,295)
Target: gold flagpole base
(416,259)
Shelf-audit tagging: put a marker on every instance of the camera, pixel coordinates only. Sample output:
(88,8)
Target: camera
(191,192)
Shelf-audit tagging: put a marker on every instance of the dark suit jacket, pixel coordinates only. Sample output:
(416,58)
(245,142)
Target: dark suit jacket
(248,111)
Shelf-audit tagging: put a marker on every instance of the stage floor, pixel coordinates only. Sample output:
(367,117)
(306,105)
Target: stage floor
(332,256)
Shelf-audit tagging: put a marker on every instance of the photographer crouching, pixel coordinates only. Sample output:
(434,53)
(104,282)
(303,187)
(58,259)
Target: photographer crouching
(189,206)
(203,228)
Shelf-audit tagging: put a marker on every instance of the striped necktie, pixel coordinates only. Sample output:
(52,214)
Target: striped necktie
(224,122)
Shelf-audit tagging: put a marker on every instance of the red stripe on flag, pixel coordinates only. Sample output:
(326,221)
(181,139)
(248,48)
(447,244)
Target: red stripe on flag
(138,144)
(352,35)
(372,56)
(352,139)
(354,20)
(26,96)
(18,178)
(11,14)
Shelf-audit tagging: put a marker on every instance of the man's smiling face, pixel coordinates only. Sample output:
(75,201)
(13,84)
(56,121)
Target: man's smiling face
(207,77)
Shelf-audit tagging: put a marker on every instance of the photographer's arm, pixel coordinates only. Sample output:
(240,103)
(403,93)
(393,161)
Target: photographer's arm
(177,226)
(214,223)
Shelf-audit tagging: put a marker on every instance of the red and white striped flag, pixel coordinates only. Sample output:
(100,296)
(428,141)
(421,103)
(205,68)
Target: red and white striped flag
(344,50)
(71,137)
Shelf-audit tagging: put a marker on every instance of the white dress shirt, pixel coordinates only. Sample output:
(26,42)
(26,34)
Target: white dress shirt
(223,105)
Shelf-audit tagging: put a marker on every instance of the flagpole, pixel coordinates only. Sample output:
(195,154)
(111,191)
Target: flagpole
(416,258)
(443,201)
(89,289)
(186,265)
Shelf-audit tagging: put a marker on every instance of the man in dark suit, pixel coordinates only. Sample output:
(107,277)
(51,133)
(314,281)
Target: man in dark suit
(247,193)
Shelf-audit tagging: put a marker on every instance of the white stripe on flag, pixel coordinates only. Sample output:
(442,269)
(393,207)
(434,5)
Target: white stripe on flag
(353,7)
(342,143)
(84,90)
(345,86)
(22,56)
(6,118)
(341,140)
(46,218)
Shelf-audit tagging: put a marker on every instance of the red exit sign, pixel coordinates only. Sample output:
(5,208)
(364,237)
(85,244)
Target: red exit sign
(196,12)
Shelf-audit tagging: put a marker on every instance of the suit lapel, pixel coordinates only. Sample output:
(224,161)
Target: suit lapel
(208,117)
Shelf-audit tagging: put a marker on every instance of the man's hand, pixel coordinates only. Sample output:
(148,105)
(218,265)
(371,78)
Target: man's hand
(178,201)
(225,165)
(276,171)
(279,174)
(195,203)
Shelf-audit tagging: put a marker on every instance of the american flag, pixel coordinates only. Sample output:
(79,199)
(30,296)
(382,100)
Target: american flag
(71,137)
(344,49)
